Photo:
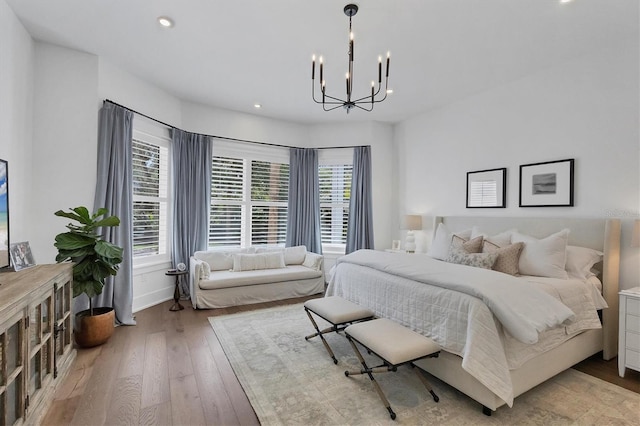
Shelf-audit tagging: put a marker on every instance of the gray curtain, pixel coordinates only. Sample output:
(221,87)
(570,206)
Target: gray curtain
(192,193)
(360,223)
(114,192)
(303,216)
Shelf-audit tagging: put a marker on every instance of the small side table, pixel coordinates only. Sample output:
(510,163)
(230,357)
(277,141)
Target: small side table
(176,293)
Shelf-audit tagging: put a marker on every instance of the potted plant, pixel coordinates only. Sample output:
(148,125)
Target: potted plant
(94,260)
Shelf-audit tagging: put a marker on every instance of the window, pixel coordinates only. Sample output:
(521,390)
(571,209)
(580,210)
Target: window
(335,193)
(249,195)
(150,196)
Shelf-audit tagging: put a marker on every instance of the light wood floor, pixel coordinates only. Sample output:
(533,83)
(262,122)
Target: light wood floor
(171,369)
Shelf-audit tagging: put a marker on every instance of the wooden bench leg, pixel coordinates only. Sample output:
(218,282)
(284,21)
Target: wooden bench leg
(320,333)
(369,371)
(426,383)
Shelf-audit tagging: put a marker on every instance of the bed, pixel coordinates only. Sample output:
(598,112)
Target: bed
(494,359)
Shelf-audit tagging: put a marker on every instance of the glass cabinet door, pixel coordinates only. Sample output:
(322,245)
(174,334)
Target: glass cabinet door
(12,347)
(40,364)
(63,327)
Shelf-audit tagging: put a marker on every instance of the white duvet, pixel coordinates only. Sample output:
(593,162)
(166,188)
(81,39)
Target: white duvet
(469,320)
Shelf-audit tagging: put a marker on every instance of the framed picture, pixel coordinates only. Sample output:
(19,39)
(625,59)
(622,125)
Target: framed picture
(547,184)
(395,245)
(487,189)
(21,256)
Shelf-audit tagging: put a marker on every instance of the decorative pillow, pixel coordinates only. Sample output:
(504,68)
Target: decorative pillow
(442,240)
(205,270)
(508,256)
(470,246)
(502,239)
(545,257)
(217,260)
(580,260)
(251,262)
(312,261)
(477,260)
(295,255)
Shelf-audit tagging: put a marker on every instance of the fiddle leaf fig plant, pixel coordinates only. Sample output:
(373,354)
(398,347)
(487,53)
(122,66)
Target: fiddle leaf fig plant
(94,258)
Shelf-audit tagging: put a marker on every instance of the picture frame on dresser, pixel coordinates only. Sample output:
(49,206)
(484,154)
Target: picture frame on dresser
(21,255)
(487,188)
(547,184)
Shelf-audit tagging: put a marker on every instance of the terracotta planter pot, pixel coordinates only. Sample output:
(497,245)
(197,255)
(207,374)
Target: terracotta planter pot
(94,330)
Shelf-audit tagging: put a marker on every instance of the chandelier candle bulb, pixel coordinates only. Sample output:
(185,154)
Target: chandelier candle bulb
(321,64)
(388,56)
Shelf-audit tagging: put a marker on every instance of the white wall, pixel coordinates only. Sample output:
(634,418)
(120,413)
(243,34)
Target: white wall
(16,119)
(64,141)
(585,109)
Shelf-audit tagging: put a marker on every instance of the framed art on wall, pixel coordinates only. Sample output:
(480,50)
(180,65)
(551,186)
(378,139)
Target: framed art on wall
(487,188)
(548,184)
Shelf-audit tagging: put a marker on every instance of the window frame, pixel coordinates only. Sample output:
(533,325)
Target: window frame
(335,157)
(157,135)
(247,153)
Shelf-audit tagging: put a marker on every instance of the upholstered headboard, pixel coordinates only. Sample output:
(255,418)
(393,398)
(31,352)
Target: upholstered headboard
(598,234)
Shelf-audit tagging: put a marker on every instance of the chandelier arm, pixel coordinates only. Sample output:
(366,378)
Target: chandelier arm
(335,99)
(330,109)
(363,108)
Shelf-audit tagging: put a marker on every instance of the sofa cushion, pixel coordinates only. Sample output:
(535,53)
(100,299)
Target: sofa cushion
(295,255)
(257,261)
(220,260)
(225,279)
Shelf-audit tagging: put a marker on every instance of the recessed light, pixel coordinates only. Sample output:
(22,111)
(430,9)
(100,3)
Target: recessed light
(566,1)
(258,106)
(389,91)
(165,21)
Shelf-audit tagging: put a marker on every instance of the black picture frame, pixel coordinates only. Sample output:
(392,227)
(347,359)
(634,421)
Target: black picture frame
(487,189)
(547,184)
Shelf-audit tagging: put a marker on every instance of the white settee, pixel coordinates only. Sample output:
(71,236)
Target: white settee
(219,279)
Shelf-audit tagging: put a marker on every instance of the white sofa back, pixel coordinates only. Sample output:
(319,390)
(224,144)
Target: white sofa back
(220,260)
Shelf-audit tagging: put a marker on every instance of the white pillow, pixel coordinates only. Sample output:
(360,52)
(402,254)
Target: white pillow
(502,239)
(252,262)
(312,261)
(580,260)
(545,257)
(217,260)
(442,241)
(295,255)
(205,270)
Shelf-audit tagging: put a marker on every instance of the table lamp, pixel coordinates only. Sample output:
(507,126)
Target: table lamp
(412,222)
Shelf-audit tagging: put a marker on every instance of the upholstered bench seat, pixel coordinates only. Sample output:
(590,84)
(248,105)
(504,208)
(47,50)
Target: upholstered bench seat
(338,312)
(395,345)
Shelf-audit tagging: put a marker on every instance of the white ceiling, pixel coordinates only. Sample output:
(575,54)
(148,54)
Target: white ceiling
(234,53)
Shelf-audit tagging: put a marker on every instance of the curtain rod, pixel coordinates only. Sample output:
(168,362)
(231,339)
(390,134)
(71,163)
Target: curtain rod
(225,137)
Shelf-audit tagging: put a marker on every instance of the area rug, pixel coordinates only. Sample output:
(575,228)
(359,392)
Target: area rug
(291,381)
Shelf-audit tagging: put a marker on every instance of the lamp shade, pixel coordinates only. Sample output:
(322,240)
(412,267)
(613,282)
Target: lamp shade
(412,222)
(635,236)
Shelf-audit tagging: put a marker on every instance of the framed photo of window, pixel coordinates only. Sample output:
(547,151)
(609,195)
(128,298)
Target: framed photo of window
(21,256)
(487,188)
(548,184)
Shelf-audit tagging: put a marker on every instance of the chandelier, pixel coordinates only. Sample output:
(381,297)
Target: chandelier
(366,103)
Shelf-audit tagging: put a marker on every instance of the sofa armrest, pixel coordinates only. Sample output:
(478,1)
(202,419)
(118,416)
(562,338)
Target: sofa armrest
(194,278)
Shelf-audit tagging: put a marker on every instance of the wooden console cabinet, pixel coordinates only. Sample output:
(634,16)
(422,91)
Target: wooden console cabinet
(36,340)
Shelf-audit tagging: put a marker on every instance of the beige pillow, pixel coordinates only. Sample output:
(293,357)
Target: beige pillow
(470,246)
(508,256)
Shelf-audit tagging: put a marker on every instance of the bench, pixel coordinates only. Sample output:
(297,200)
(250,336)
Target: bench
(336,311)
(395,345)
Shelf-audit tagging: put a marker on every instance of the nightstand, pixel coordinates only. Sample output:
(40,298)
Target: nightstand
(629,330)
